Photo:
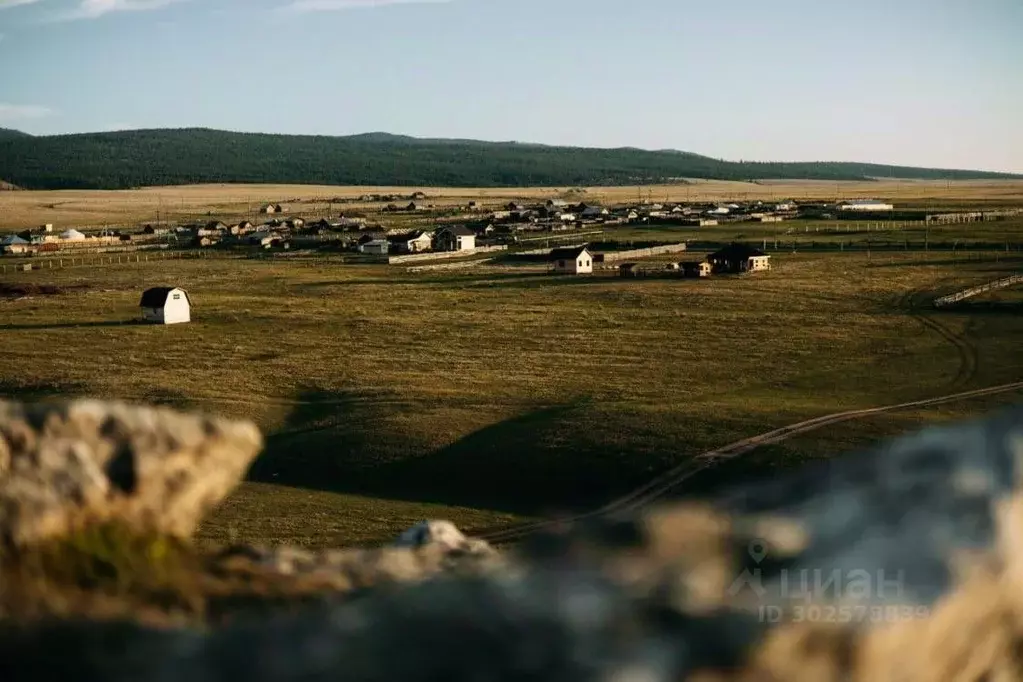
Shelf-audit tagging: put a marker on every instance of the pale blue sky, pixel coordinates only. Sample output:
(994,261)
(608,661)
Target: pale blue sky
(920,82)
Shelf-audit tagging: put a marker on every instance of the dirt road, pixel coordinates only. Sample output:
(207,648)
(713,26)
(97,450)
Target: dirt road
(660,486)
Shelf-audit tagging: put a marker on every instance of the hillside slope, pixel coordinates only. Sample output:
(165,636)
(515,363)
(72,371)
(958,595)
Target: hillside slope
(126,159)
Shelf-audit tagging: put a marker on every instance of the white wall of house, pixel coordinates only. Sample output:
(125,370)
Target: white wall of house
(176,310)
(582,265)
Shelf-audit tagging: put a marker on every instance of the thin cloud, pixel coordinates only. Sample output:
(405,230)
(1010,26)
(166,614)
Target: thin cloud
(21,112)
(338,5)
(93,9)
(5,4)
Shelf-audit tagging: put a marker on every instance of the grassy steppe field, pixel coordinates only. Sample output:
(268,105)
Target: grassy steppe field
(500,394)
(90,208)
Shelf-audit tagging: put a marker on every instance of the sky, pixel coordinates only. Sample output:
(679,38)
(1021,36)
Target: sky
(934,83)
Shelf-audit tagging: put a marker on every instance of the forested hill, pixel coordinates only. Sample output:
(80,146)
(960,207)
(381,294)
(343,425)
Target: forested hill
(170,157)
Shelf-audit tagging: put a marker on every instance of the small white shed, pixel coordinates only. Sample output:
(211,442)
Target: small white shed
(572,261)
(166,305)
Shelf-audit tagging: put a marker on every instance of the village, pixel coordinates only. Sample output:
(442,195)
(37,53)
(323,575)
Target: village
(557,236)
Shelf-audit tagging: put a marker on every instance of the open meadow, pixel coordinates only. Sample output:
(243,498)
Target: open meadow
(501,393)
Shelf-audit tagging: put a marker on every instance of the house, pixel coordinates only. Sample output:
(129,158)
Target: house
(572,261)
(513,206)
(457,238)
(264,238)
(72,235)
(14,244)
(696,269)
(593,212)
(556,203)
(210,229)
(738,258)
(375,247)
(416,241)
(357,223)
(720,210)
(371,237)
(270,209)
(567,217)
(785,206)
(295,224)
(418,195)
(413,206)
(865,205)
(166,305)
(281,208)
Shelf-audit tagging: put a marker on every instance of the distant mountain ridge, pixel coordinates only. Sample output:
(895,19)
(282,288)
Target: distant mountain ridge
(136,158)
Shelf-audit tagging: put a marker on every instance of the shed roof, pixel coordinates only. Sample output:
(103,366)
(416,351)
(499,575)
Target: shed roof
(157,297)
(458,231)
(738,251)
(569,253)
(12,239)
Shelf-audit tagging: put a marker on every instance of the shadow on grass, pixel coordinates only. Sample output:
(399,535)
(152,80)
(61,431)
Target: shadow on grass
(413,280)
(32,392)
(983,308)
(72,325)
(528,464)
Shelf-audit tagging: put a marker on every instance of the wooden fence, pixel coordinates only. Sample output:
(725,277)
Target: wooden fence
(614,256)
(442,255)
(93,260)
(977,290)
(462,265)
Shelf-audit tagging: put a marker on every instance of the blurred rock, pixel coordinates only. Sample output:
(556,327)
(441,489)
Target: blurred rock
(153,469)
(903,563)
(425,551)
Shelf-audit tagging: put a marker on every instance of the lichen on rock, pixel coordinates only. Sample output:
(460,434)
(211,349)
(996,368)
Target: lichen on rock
(65,465)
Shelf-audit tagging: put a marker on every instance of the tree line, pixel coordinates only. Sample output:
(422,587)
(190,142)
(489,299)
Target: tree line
(121,160)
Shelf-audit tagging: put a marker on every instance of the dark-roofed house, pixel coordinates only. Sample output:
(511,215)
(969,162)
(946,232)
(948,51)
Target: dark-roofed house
(696,269)
(166,305)
(455,238)
(572,261)
(739,258)
(416,241)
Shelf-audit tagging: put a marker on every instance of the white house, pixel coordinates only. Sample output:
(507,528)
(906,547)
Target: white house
(594,212)
(572,261)
(72,235)
(865,205)
(567,217)
(412,242)
(14,244)
(166,305)
(720,210)
(457,238)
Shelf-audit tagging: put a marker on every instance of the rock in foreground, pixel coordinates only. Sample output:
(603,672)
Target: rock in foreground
(87,462)
(904,563)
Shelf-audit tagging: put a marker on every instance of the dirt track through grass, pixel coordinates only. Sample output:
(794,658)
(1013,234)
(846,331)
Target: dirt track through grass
(653,491)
